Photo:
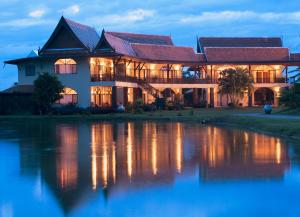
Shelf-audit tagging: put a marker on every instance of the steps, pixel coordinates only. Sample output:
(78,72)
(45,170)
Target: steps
(148,88)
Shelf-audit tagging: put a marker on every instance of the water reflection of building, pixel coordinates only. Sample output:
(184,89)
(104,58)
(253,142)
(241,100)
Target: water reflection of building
(88,158)
(237,155)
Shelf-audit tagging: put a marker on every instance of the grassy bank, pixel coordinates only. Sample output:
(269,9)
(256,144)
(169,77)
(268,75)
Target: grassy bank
(222,116)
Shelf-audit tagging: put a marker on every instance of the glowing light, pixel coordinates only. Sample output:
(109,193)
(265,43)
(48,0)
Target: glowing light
(278,152)
(129,150)
(178,148)
(154,151)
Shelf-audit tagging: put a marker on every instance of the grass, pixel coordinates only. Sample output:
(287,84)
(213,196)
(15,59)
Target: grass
(219,116)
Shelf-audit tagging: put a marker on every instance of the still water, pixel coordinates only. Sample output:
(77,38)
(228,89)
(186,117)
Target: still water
(145,169)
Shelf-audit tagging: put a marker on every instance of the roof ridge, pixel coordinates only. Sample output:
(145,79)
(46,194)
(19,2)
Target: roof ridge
(241,37)
(248,47)
(80,24)
(161,45)
(140,34)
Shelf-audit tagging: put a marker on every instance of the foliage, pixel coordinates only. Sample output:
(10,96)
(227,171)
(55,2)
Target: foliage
(47,89)
(16,103)
(290,97)
(235,82)
(138,106)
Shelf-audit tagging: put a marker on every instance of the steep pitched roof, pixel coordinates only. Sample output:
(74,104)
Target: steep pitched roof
(143,39)
(238,42)
(245,55)
(86,34)
(83,36)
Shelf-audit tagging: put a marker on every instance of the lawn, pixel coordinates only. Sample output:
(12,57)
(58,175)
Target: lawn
(219,116)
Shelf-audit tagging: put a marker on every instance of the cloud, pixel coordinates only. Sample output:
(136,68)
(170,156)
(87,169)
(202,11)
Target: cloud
(72,10)
(37,13)
(232,16)
(129,17)
(26,22)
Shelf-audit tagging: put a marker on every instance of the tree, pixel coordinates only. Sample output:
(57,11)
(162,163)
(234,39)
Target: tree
(290,97)
(47,90)
(235,82)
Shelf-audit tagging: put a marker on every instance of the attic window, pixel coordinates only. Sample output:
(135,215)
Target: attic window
(30,70)
(65,66)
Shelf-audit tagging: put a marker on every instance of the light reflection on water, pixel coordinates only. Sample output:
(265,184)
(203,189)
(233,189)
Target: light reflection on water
(144,169)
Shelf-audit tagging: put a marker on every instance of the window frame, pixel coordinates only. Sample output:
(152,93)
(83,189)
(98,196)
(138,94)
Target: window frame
(65,65)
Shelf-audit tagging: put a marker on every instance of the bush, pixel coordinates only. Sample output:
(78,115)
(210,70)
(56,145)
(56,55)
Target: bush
(69,109)
(149,107)
(16,103)
(138,106)
(100,110)
(290,97)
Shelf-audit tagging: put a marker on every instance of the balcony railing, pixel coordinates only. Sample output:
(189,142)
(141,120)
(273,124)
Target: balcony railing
(111,77)
(270,80)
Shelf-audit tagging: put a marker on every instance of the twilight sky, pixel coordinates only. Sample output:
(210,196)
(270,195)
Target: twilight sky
(26,25)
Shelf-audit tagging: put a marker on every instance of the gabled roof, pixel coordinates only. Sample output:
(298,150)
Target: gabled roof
(87,36)
(143,39)
(165,53)
(246,55)
(238,42)
(151,47)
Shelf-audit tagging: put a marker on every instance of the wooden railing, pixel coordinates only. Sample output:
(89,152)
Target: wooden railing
(111,77)
(270,80)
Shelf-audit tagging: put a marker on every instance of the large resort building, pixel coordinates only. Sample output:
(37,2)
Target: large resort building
(112,68)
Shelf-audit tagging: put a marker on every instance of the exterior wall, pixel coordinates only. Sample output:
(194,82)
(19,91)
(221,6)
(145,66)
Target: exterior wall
(79,81)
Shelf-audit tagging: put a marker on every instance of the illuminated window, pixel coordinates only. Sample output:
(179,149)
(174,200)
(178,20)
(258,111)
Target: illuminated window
(69,97)
(65,66)
(101,96)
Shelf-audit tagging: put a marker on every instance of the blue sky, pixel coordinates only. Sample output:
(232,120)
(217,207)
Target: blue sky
(26,25)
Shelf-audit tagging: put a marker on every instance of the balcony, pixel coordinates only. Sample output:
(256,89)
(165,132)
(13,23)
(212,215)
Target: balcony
(270,80)
(111,77)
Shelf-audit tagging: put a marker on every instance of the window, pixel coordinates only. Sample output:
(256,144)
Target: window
(69,96)
(101,96)
(65,66)
(30,70)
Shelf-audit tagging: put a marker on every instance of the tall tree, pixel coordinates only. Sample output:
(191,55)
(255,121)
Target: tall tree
(235,82)
(47,90)
(290,97)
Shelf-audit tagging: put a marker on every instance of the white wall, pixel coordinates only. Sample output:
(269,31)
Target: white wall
(80,81)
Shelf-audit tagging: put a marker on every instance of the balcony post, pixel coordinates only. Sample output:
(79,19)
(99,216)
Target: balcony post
(114,97)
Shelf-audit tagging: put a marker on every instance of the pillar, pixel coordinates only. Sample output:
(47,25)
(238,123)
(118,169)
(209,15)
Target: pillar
(195,96)
(125,95)
(114,97)
(208,96)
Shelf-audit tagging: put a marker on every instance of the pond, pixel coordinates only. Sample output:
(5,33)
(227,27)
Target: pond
(88,168)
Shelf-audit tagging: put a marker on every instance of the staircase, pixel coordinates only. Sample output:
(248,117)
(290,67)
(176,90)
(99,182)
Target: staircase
(148,88)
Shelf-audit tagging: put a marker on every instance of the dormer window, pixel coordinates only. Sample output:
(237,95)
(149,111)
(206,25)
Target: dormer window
(65,66)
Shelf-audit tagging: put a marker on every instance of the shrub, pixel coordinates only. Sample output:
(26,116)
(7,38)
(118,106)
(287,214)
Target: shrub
(69,109)
(138,106)
(100,110)
(290,97)
(149,107)
(16,103)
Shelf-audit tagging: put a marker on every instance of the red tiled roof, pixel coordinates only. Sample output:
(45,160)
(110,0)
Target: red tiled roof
(119,45)
(239,42)
(143,39)
(20,89)
(165,53)
(233,55)
(295,57)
